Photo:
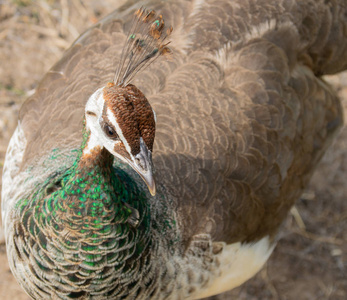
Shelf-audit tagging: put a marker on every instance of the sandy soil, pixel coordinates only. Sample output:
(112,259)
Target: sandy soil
(310,261)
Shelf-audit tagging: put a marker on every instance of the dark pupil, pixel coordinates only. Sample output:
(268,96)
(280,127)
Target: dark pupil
(109,131)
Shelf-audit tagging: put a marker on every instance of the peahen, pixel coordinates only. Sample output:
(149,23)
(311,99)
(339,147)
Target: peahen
(240,118)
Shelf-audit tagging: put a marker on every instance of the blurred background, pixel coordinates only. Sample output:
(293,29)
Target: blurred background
(310,261)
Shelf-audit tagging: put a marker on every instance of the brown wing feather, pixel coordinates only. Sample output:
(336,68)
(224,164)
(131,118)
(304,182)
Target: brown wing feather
(242,118)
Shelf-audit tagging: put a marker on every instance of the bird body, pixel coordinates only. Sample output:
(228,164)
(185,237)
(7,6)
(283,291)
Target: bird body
(240,117)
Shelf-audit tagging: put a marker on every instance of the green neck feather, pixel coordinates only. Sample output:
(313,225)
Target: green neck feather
(94,191)
(86,215)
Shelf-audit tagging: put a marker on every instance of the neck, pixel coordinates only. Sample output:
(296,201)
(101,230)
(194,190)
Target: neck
(96,191)
(92,189)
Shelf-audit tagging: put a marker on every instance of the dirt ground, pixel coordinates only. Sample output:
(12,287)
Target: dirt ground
(310,262)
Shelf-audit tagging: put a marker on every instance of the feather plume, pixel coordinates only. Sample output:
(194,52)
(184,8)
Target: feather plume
(145,43)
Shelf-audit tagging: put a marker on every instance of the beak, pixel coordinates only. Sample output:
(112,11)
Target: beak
(143,165)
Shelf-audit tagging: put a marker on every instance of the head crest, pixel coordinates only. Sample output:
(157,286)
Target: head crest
(145,43)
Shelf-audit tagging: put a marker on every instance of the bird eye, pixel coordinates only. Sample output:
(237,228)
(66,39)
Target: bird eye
(90,113)
(110,131)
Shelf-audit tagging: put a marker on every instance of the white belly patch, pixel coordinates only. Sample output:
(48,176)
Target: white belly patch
(238,263)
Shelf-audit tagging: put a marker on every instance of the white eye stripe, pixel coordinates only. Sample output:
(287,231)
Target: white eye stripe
(113,121)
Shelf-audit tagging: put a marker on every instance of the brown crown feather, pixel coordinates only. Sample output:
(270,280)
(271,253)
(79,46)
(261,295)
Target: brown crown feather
(134,114)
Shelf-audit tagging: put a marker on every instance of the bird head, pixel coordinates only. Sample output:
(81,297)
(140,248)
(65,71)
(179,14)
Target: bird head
(118,115)
(121,120)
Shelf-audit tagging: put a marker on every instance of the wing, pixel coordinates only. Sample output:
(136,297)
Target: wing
(243,117)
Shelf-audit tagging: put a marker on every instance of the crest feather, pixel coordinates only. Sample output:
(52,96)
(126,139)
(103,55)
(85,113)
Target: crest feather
(145,43)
